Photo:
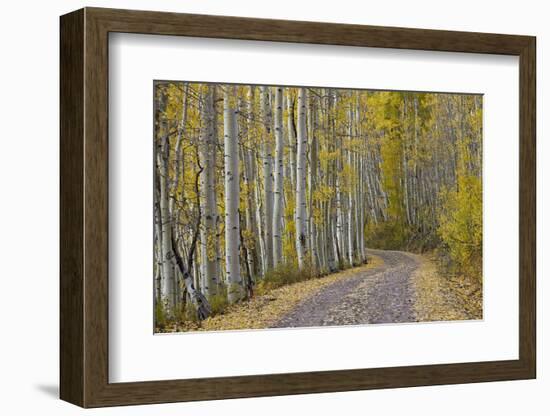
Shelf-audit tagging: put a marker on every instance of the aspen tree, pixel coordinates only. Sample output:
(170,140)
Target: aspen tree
(268,178)
(210,266)
(163,156)
(231,163)
(301,220)
(279,177)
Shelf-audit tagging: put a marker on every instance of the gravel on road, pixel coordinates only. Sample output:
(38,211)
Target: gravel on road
(381,295)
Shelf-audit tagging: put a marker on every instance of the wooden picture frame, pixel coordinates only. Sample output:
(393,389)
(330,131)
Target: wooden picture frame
(84,207)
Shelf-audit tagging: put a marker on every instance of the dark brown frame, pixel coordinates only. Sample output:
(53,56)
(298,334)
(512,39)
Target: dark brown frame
(84,208)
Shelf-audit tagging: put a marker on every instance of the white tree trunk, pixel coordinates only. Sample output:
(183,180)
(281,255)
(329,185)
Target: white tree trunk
(260,224)
(301,220)
(158,245)
(351,201)
(255,194)
(168,275)
(177,166)
(209,227)
(279,178)
(232,232)
(313,172)
(339,218)
(291,139)
(249,176)
(362,183)
(268,178)
(361,210)
(340,240)
(197,299)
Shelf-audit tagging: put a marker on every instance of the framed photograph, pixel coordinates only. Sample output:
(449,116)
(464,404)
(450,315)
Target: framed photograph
(256,207)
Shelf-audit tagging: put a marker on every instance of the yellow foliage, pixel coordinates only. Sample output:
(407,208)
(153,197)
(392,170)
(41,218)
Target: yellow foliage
(405,140)
(323,193)
(328,156)
(460,224)
(266,309)
(392,173)
(440,298)
(348,177)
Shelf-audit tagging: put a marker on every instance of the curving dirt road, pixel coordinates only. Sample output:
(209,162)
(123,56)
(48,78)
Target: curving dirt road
(381,295)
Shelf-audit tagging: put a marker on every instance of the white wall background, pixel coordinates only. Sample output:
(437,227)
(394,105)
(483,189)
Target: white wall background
(29,209)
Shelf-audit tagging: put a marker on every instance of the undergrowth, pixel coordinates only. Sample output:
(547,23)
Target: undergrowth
(283,274)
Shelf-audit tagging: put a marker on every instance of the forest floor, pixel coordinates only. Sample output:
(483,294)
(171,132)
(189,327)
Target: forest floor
(394,287)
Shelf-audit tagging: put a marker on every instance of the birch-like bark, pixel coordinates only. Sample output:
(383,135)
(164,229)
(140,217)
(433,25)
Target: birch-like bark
(177,166)
(361,182)
(351,201)
(235,288)
(255,195)
(361,223)
(249,218)
(260,224)
(202,307)
(340,242)
(301,220)
(252,249)
(331,240)
(372,189)
(313,173)
(361,195)
(209,255)
(158,244)
(279,178)
(268,178)
(178,171)
(168,286)
(291,139)
(168,283)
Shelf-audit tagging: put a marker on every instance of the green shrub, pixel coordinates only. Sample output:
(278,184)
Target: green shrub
(218,302)
(284,274)
(160,316)
(188,313)
(390,235)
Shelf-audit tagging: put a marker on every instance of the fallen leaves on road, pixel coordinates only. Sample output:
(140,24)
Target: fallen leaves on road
(263,311)
(443,298)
